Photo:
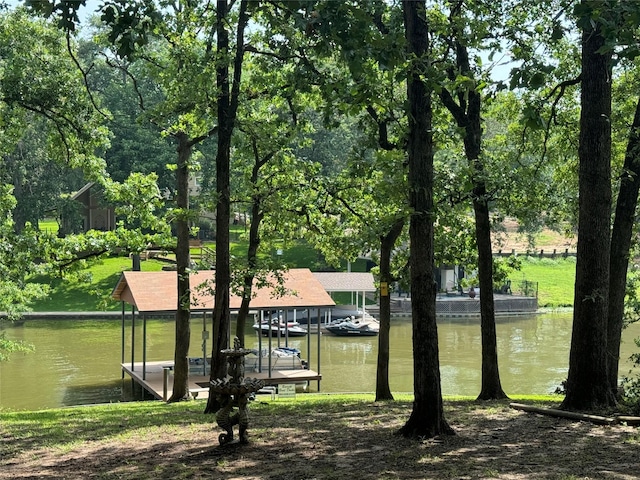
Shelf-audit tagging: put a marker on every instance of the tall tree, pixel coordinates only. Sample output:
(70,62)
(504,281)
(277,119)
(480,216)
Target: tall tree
(588,384)
(364,198)
(623,38)
(169,53)
(130,28)
(269,124)
(427,417)
(177,54)
(467,113)
(621,243)
(229,64)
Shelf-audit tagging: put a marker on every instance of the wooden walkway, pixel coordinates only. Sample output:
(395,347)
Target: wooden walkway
(154,380)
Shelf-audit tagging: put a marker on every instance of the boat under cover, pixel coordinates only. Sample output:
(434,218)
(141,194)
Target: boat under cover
(281,329)
(282,358)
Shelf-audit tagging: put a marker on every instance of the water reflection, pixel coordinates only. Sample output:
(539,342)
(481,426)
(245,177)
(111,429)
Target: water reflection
(78,361)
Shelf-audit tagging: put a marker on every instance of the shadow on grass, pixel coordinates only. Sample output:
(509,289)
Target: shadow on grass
(300,440)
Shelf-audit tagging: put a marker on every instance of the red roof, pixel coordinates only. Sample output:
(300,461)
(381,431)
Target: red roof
(157,292)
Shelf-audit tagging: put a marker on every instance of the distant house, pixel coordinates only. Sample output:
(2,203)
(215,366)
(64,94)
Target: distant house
(94,213)
(448,277)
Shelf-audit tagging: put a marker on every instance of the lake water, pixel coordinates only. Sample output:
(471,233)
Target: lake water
(78,361)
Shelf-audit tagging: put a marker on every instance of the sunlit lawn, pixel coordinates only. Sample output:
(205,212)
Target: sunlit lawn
(48,225)
(91,292)
(555,279)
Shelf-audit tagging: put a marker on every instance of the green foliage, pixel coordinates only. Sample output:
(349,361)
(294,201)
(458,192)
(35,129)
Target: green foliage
(632,297)
(631,383)
(51,118)
(7,347)
(39,76)
(19,257)
(39,180)
(503,268)
(136,143)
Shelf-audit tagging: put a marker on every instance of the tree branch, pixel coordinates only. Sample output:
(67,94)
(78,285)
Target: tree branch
(383,133)
(84,76)
(67,263)
(456,110)
(131,77)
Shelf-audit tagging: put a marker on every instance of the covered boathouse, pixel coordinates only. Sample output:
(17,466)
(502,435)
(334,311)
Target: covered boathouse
(155,293)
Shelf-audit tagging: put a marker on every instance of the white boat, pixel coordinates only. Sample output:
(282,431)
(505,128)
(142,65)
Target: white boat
(280,328)
(353,327)
(281,358)
(311,316)
(366,326)
(198,366)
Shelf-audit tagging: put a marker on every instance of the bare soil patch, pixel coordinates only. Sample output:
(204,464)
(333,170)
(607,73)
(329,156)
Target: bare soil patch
(509,239)
(353,440)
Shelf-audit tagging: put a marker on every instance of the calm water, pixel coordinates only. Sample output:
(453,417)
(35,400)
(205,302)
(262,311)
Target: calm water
(78,361)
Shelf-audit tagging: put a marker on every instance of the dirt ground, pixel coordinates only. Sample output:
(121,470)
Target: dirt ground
(548,240)
(356,442)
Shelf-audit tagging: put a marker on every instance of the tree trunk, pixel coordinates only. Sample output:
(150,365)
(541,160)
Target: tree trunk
(387,244)
(467,116)
(12,165)
(183,312)
(427,417)
(621,235)
(252,263)
(588,383)
(491,388)
(227,107)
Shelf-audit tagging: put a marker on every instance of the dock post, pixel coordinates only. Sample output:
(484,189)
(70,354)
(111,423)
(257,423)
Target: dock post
(144,347)
(122,338)
(165,383)
(133,337)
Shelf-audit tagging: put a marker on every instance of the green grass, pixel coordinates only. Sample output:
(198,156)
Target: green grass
(48,225)
(66,428)
(108,419)
(90,292)
(555,280)
(332,436)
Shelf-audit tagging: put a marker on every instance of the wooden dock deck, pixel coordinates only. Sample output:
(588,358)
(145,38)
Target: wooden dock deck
(154,380)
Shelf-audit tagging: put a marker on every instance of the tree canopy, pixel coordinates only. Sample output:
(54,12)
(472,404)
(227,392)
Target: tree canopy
(339,122)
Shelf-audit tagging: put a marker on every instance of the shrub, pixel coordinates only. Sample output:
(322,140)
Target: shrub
(631,384)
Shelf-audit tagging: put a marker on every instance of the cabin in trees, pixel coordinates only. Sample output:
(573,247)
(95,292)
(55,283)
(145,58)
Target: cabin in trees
(93,213)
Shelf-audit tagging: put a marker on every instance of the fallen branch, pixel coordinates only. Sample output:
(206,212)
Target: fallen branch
(631,421)
(597,419)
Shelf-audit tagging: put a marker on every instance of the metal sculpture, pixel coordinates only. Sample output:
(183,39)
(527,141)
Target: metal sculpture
(233,392)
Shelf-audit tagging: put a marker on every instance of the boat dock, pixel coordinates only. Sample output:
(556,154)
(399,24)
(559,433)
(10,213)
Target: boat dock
(158,378)
(455,305)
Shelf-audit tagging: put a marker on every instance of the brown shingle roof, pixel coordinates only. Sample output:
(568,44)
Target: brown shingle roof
(157,292)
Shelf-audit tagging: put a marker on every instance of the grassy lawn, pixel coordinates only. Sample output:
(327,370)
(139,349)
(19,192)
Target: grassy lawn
(331,437)
(555,279)
(91,292)
(48,225)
